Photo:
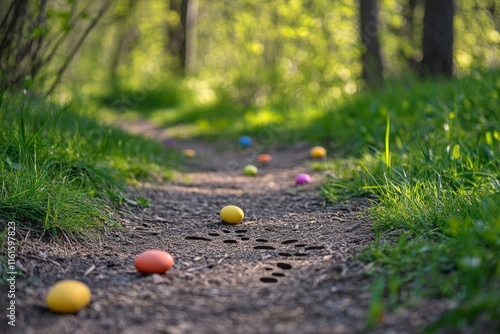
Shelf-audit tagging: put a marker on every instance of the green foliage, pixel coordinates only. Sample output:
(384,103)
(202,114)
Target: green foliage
(38,40)
(262,64)
(280,54)
(60,167)
(438,211)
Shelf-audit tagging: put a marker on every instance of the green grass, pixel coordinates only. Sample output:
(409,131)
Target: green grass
(61,170)
(437,217)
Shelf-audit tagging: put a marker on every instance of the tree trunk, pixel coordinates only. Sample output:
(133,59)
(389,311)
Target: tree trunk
(438,39)
(182,38)
(189,20)
(372,59)
(409,19)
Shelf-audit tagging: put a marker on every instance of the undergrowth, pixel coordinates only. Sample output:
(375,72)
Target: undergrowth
(437,183)
(61,170)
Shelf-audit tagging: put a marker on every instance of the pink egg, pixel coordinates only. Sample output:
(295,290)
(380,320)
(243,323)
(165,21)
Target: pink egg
(302,179)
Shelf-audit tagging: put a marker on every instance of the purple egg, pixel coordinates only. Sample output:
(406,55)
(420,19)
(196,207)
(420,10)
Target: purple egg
(302,178)
(170,142)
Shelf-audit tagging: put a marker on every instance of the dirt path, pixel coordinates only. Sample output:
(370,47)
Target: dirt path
(288,268)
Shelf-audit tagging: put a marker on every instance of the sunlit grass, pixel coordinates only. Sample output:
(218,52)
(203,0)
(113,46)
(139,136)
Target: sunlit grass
(32,195)
(218,117)
(61,170)
(437,215)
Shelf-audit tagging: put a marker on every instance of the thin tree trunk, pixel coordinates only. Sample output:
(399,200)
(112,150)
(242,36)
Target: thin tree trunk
(176,36)
(182,42)
(438,39)
(409,16)
(189,20)
(372,59)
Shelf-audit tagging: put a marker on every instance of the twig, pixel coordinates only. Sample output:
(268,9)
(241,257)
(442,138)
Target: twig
(69,242)
(88,271)
(24,241)
(352,228)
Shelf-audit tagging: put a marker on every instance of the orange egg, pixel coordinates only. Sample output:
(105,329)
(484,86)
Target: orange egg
(154,261)
(318,152)
(264,158)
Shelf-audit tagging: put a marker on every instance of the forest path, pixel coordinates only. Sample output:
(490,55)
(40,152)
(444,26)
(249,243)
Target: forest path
(287,268)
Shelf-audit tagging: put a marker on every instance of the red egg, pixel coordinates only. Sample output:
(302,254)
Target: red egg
(154,261)
(264,158)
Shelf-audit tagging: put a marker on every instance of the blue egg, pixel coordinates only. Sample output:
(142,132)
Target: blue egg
(245,141)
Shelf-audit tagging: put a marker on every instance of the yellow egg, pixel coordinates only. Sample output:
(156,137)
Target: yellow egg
(318,152)
(68,296)
(231,214)
(189,153)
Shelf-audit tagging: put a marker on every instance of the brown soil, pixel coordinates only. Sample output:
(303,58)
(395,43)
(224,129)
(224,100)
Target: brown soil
(288,268)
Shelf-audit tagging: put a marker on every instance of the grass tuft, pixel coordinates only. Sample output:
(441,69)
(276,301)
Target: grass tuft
(61,170)
(437,216)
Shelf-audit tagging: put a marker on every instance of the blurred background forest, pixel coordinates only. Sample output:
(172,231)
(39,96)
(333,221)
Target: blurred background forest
(252,52)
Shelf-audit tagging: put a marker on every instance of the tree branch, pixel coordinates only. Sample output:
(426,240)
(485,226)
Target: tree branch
(77,46)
